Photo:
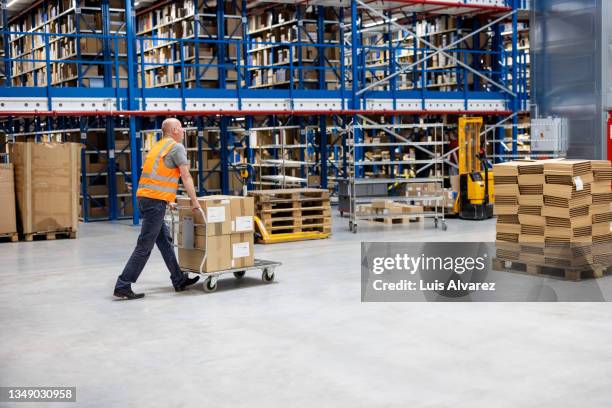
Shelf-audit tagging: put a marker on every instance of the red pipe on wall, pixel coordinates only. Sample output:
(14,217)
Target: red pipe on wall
(609,133)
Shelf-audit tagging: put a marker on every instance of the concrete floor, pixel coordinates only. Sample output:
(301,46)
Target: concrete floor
(304,341)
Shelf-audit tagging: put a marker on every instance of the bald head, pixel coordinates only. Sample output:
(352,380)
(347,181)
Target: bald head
(172,127)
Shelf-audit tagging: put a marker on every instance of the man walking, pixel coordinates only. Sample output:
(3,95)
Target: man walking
(157,187)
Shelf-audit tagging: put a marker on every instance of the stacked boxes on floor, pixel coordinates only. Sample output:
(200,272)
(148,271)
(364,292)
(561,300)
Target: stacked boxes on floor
(506,208)
(47,187)
(227,238)
(8,224)
(554,212)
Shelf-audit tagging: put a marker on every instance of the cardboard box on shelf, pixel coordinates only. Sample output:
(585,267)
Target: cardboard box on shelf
(8,215)
(218,254)
(242,250)
(47,185)
(217,212)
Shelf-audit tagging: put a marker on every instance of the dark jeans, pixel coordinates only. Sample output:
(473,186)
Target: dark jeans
(154,232)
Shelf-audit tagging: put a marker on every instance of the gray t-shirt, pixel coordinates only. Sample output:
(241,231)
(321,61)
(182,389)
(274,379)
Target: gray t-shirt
(177,156)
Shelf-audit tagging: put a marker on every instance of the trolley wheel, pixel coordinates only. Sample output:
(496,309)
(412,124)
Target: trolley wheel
(267,275)
(208,285)
(354,228)
(239,274)
(435,223)
(444,226)
(350,225)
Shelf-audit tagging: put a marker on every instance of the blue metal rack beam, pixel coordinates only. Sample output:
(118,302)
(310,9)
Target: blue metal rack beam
(135,100)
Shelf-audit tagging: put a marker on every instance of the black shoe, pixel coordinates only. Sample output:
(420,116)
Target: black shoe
(186,282)
(127,294)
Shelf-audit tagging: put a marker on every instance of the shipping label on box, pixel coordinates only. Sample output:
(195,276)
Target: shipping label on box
(242,250)
(215,214)
(243,224)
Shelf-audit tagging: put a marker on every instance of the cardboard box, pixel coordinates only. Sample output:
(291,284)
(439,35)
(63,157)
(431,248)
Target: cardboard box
(497,179)
(565,178)
(528,238)
(531,179)
(501,228)
(567,190)
(531,189)
(529,219)
(567,202)
(562,212)
(8,216)
(242,210)
(602,228)
(506,190)
(47,185)
(242,250)
(575,222)
(218,257)
(569,233)
(454,183)
(506,237)
(500,209)
(574,167)
(600,187)
(531,200)
(527,229)
(506,200)
(217,211)
(529,210)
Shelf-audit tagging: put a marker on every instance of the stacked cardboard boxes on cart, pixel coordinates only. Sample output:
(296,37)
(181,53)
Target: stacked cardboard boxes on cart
(227,237)
(554,213)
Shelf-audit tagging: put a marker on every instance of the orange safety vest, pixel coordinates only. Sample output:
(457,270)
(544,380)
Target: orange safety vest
(158,181)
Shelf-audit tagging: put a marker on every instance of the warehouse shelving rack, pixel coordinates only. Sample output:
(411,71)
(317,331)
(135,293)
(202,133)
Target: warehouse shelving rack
(320,108)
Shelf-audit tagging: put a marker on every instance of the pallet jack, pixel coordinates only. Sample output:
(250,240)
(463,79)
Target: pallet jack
(475,199)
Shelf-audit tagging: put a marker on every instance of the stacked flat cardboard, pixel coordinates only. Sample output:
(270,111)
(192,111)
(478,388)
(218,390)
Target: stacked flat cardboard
(567,197)
(8,218)
(227,237)
(47,185)
(564,212)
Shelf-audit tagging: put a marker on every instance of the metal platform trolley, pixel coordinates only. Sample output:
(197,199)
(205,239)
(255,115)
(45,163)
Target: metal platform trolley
(188,224)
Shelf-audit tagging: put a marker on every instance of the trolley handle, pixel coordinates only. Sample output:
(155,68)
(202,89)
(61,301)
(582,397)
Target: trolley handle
(205,250)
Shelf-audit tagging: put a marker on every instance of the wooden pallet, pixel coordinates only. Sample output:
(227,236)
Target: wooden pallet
(399,218)
(293,210)
(10,237)
(50,235)
(551,271)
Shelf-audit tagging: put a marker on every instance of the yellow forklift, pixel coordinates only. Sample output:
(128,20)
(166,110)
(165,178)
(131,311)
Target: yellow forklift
(475,199)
